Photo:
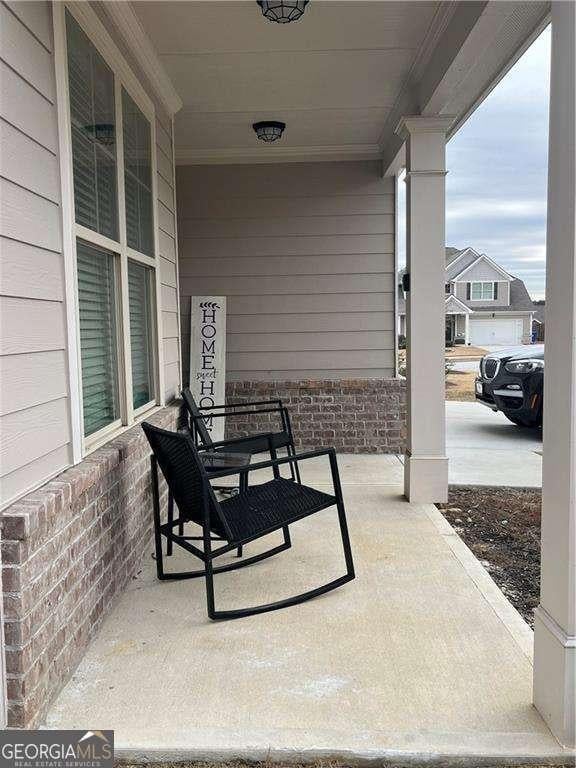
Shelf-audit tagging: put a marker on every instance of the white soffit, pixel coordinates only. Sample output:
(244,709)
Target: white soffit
(340,78)
(333,77)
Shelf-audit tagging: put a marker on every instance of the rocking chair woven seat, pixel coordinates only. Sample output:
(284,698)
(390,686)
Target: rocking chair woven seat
(269,506)
(254,513)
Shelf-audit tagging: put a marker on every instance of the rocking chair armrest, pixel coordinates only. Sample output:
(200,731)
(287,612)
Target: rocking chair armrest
(331,452)
(240,405)
(234,441)
(222,414)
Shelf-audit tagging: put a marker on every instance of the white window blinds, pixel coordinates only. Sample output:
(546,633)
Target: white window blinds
(137,177)
(141,333)
(91,86)
(98,336)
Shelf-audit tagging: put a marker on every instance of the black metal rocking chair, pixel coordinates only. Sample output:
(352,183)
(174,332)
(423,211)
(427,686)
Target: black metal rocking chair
(258,511)
(255,443)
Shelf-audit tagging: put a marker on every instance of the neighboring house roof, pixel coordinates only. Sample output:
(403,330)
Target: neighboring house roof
(461,271)
(461,261)
(454,306)
(457,262)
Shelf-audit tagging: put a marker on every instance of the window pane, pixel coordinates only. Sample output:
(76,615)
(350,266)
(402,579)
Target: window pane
(137,177)
(98,337)
(91,85)
(487,290)
(141,333)
(476,291)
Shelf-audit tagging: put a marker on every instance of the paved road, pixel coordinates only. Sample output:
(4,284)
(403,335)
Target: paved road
(465,365)
(486,449)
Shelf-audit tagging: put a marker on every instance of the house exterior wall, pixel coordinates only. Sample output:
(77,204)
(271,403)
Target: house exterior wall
(503,300)
(71,537)
(68,550)
(305,255)
(460,325)
(35,407)
(35,432)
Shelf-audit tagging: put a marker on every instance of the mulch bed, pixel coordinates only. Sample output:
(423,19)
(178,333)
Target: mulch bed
(320,764)
(502,528)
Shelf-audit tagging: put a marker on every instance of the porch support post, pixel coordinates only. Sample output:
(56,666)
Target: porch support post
(426,464)
(555,617)
(467,329)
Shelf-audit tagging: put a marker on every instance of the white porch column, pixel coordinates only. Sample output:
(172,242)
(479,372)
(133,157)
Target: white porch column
(426,464)
(555,618)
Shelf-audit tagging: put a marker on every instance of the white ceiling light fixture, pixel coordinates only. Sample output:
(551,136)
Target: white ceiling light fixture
(269,130)
(282,11)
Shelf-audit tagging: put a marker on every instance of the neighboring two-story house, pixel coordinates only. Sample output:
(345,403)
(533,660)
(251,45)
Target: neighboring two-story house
(484,304)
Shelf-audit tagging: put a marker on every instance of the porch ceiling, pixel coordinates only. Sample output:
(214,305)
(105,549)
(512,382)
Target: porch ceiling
(339,78)
(333,77)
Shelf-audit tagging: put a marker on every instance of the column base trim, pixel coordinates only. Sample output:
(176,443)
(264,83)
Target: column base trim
(554,676)
(426,479)
(565,640)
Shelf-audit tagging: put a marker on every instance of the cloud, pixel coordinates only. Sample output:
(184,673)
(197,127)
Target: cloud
(497,171)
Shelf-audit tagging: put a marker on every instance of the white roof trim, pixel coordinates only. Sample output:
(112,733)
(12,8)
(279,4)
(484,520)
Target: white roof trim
(465,310)
(139,45)
(492,263)
(463,252)
(273,154)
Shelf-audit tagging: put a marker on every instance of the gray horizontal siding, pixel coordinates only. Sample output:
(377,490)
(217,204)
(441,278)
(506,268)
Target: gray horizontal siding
(167,257)
(34,409)
(304,254)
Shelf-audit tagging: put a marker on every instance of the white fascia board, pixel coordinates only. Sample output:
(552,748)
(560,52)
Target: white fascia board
(463,252)
(138,43)
(506,275)
(465,310)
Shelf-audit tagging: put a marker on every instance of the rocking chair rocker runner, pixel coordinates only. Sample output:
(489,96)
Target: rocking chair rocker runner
(251,515)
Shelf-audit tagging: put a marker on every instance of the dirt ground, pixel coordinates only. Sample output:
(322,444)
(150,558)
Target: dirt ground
(460,385)
(502,528)
(460,351)
(321,764)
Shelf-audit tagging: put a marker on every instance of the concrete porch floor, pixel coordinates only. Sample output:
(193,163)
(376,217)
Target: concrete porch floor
(420,658)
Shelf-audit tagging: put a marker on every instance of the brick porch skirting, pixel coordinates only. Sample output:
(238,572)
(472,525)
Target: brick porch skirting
(68,549)
(354,416)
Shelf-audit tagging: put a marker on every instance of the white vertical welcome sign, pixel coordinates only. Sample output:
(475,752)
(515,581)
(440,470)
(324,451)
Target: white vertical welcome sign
(208,356)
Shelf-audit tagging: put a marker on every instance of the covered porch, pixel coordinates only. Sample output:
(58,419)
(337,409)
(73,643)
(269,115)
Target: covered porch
(457,322)
(422,654)
(420,658)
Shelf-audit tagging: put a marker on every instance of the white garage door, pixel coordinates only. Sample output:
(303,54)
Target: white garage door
(498,330)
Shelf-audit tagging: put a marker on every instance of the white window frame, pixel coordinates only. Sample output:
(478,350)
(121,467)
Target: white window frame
(482,284)
(124,78)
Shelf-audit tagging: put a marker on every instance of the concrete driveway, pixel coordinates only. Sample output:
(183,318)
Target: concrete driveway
(486,449)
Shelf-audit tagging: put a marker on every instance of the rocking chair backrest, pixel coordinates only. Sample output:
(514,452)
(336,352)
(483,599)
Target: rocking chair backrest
(197,420)
(182,468)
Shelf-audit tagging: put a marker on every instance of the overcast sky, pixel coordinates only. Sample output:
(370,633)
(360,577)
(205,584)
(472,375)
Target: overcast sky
(496,185)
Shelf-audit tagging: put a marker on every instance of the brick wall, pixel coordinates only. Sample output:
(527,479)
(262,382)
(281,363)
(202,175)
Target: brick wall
(354,416)
(68,550)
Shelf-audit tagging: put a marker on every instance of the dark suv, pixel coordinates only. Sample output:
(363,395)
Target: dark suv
(512,381)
